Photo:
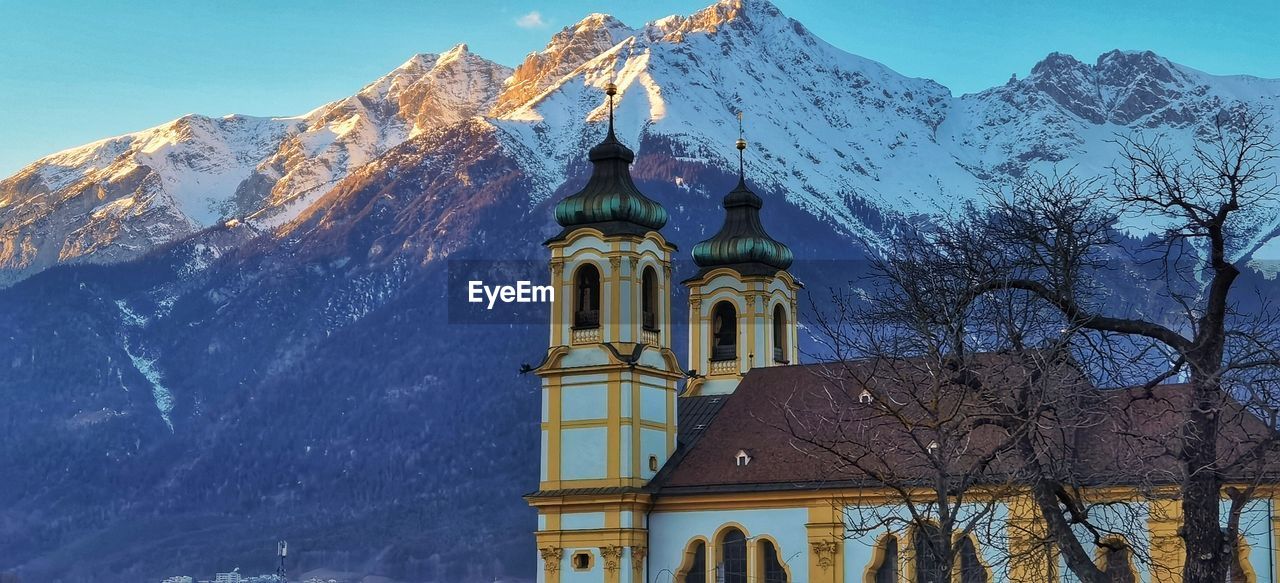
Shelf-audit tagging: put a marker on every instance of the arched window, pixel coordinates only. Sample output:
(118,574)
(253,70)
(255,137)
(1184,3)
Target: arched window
(772,568)
(696,572)
(586,298)
(649,299)
(733,557)
(1118,563)
(887,570)
(930,567)
(779,334)
(724,332)
(971,568)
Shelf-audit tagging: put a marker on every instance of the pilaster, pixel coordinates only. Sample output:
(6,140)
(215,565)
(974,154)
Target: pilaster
(1031,557)
(1168,553)
(826,543)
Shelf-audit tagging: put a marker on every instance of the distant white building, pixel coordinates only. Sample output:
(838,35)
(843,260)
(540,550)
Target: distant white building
(179,579)
(232,577)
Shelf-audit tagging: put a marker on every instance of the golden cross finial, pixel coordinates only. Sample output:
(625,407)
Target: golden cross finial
(611,89)
(742,145)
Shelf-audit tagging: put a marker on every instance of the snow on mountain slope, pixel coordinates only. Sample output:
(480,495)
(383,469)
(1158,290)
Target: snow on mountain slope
(838,132)
(826,126)
(117,198)
(426,92)
(1068,114)
(841,135)
(567,50)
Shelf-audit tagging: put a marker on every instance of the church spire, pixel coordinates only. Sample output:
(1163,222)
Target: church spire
(610,201)
(742,147)
(611,90)
(742,242)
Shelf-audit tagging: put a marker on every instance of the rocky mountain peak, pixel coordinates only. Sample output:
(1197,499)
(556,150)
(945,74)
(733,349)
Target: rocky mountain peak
(1122,87)
(430,68)
(1136,61)
(743,15)
(827,126)
(1137,84)
(1057,64)
(569,49)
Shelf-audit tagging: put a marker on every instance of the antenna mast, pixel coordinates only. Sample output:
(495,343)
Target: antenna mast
(282,549)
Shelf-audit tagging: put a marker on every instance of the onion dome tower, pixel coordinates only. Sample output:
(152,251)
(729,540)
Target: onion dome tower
(610,202)
(742,302)
(609,378)
(742,243)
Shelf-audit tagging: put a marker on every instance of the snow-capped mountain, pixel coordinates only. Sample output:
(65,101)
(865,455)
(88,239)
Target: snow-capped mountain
(426,93)
(839,133)
(115,199)
(299,372)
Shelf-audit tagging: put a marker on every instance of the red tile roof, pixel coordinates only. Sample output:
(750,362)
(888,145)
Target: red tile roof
(806,428)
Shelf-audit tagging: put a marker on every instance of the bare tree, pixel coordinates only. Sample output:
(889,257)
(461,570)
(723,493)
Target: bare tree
(911,408)
(1055,241)
(932,399)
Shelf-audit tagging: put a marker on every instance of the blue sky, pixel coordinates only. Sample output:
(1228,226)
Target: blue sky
(73,72)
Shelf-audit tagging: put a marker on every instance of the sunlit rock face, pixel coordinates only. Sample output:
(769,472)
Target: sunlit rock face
(279,359)
(569,49)
(839,133)
(427,92)
(118,198)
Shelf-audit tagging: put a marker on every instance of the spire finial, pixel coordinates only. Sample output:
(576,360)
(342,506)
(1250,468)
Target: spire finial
(742,146)
(611,89)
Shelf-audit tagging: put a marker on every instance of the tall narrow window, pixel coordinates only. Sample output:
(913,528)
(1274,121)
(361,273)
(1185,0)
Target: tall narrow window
(586,308)
(779,334)
(887,570)
(697,570)
(724,332)
(971,568)
(733,557)
(772,568)
(929,566)
(649,299)
(1119,568)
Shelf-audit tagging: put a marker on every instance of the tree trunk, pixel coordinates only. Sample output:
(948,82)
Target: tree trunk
(1044,490)
(1202,486)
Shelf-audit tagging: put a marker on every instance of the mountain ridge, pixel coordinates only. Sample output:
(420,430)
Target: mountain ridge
(898,142)
(303,375)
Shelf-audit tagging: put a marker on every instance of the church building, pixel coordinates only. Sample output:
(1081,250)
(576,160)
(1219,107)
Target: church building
(658,469)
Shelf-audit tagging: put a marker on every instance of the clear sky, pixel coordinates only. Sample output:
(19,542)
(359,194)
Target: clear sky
(74,72)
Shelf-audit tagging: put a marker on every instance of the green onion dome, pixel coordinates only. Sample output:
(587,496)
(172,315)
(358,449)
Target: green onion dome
(610,201)
(742,242)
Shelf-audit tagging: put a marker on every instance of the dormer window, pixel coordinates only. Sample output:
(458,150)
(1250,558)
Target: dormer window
(586,306)
(865,397)
(933,447)
(743,458)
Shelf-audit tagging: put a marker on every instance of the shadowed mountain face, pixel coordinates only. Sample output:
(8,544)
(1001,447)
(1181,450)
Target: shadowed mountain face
(180,412)
(182,390)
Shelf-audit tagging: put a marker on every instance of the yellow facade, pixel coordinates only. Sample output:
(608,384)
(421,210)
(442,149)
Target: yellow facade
(756,299)
(609,393)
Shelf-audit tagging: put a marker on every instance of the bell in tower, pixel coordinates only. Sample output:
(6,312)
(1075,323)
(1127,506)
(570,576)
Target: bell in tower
(742,302)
